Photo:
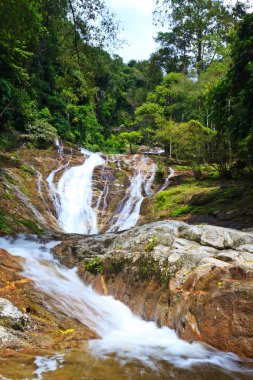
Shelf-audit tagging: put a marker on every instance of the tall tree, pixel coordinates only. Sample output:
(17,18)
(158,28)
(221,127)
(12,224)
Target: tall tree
(198,30)
(230,101)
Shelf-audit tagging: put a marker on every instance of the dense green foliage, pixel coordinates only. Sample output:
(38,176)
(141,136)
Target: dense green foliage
(55,77)
(198,32)
(201,111)
(230,103)
(193,96)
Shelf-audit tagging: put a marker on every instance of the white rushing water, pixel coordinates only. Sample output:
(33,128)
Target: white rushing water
(73,196)
(129,209)
(59,147)
(123,334)
(166,183)
(53,189)
(129,213)
(150,181)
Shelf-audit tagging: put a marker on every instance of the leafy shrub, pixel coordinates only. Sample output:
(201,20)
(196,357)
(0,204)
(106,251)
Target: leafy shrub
(41,131)
(160,172)
(114,145)
(94,266)
(8,139)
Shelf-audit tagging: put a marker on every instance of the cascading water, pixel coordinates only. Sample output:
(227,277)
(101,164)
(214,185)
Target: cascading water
(52,188)
(102,199)
(129,214)
(129,208)
(73,196)
(122,334)
(59,147)
(150,181)
(166,183)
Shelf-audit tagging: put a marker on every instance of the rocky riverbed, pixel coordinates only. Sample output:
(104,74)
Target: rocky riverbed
(194,279)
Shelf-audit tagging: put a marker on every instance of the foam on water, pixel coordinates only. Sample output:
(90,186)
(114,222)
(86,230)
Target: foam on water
(123,334)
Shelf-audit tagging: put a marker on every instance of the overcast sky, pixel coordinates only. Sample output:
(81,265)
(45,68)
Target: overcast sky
(139,31)
(136,19)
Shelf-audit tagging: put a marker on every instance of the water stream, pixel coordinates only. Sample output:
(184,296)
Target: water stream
(128,347)
(73,196)
(129,213)
(167,181)
(134,343)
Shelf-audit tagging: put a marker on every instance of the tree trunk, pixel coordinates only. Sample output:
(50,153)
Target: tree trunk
(199,54)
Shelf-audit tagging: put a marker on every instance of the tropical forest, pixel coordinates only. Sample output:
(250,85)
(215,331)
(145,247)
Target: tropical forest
(126,190)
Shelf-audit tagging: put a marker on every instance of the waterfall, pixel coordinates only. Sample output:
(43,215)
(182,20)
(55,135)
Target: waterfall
(73,196)
(150,181)
(166,183)
(122,334)
(129,214)
(129,209)
(59,147)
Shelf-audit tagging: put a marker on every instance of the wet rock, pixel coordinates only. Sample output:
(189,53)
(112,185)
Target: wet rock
(28,321)
(8,339)
(11,316)
(195,279)
(228,256)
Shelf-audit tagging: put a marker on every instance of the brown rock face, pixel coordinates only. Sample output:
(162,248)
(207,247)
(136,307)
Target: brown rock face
(26,323)
(218,309)
(200,309)
(194,279)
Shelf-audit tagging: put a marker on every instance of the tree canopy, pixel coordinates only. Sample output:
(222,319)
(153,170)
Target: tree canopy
(193,96)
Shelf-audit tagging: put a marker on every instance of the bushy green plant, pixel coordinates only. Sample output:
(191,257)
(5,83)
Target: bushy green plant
(131,138)
(8,139)
(160,172)
(95,266)
(41,131)
(114,145)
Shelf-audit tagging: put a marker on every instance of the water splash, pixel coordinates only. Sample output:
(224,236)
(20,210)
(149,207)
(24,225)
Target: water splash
(123,334)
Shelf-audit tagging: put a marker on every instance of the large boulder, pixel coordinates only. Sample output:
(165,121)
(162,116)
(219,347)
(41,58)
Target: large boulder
(195,279)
